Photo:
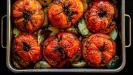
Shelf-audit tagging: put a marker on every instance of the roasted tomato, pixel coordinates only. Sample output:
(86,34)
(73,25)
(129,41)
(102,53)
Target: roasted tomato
(98,50)
(99,17)
(62,48)
(27,49)
(65,13)
(28,15)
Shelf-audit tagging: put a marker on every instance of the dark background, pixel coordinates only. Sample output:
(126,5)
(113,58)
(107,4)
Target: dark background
(129,52)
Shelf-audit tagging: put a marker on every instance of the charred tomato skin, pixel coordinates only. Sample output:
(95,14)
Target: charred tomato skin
(27,49)
(61,49)
(65,13)
(98,50)
(99,17)
(28,15)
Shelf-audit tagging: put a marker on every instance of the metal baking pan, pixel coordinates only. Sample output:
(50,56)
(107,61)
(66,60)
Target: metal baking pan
(121,45)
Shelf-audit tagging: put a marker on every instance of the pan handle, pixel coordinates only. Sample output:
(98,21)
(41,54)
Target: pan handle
(126,15)
(2,31)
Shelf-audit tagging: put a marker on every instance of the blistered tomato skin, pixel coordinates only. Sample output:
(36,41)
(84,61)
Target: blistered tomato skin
(99,17)
(28,15)
(27,48)
(62,48)
(98,50)
(65,13)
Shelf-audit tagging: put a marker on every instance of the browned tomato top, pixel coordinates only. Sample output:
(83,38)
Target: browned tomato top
(59,48)
(65,13)
(98,49)
(28,15)
(99,17)
(27,48)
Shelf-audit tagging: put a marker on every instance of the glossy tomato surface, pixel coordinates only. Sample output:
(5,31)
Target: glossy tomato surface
(62,48)
(28,15)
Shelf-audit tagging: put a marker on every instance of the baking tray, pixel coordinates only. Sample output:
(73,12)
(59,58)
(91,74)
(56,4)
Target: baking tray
(120,45)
